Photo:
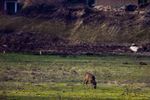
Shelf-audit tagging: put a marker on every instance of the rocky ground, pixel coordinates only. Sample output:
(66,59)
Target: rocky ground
(28,42)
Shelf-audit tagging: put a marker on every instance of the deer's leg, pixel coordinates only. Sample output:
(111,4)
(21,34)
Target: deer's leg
(85,81)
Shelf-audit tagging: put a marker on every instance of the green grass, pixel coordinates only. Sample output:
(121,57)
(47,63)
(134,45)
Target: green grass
(47,77)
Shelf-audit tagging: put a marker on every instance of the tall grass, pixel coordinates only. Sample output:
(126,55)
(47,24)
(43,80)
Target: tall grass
(105,31)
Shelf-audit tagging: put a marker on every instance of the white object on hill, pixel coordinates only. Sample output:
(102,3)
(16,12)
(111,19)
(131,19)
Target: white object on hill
(134,48)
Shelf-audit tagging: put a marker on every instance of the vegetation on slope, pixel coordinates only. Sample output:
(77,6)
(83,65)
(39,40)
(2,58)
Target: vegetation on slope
(62,26)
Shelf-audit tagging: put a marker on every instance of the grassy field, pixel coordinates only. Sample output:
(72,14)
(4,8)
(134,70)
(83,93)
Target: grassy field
(47,77)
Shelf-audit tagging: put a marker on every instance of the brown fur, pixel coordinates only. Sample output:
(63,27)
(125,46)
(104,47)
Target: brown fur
(90,79)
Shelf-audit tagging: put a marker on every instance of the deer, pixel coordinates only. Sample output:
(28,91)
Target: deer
(90,79)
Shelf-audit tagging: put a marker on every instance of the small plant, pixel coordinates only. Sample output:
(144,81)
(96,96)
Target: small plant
(131,90)
(59,96)
(3,96)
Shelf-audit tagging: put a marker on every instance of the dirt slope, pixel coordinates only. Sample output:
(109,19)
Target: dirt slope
(74,30)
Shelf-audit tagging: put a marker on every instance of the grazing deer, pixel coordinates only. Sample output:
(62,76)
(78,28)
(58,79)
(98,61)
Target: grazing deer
(90,79)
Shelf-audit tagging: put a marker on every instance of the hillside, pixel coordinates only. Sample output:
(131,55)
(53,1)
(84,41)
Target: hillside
(61,29)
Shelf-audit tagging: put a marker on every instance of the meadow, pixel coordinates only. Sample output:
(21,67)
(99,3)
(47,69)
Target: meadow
(52,77)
